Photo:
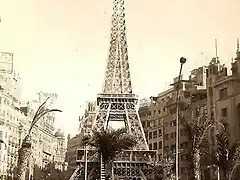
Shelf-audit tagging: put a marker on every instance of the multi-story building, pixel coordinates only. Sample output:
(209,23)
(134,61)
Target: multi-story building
(11,118)
(224,97)
(208,86)
(15,120)
(85,126)
(73,144)
(60,151)
(145,114)
(87,120)
(160,117)
(48,145)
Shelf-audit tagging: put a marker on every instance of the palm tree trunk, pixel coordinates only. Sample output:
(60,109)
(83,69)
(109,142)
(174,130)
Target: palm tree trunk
(196,159)
(103,169)
(23,158)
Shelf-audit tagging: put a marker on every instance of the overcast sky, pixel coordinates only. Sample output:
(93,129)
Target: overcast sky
(62,46)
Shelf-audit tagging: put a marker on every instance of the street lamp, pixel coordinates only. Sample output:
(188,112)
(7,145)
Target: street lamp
(182,61)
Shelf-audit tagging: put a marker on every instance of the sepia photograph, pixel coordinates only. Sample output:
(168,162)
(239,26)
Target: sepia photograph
(119,90)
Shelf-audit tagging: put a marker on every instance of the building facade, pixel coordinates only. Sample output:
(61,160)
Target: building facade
(224,99)
(209,86)
(159,119)
(15,120)
(85,125)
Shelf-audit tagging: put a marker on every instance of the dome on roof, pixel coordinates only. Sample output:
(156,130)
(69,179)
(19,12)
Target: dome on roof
(59,133)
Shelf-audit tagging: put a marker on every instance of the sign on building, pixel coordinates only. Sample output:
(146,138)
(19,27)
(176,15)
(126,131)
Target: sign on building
(6,62)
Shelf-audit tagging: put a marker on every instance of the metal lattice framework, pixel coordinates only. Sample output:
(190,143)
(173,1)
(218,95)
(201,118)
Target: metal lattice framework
(117,77)
(118,103)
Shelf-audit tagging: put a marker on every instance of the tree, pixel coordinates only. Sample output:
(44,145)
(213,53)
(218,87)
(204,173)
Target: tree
(227,157)
(109,144)
(51,173)
(158,171)
(25,150)
(164,169)
(197,129)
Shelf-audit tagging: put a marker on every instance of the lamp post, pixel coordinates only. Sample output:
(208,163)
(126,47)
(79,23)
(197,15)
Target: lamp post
(182,61)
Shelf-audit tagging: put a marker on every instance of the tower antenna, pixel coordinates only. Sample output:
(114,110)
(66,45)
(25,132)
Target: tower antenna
(237,45)
(216,48)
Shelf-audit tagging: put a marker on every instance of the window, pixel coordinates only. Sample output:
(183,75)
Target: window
(173,147)
(150,146)
(181,132)
(159,111)
(159,133)
(155,146)
(150,135)
(160,145)
(173,123)
(155,134)
(172,111)
(224,112)
(186,94)
(166,136)
(181,146)
(166,148)
(173,135)
(223,93)
(183,157)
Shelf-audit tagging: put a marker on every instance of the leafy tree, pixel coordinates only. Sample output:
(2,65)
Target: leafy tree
(50,173)
(25,150)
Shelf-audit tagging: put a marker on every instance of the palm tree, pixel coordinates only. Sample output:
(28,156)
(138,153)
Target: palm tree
(227,157)
(197,129)
(109,144)
(25,150)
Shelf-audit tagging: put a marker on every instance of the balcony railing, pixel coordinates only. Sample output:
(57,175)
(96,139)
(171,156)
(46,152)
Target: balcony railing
(135,156)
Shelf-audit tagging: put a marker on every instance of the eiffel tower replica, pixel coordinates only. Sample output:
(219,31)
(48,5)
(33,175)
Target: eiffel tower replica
(117,105)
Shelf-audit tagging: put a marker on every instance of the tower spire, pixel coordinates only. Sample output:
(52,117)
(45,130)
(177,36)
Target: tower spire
(117,75)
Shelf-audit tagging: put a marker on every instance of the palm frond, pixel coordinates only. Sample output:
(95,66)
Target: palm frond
(42,110)
(110,142)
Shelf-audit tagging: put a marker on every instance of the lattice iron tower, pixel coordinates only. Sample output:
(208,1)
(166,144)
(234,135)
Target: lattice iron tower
(118,103)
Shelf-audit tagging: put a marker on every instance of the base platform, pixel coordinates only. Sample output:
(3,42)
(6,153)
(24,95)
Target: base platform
(129,165)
